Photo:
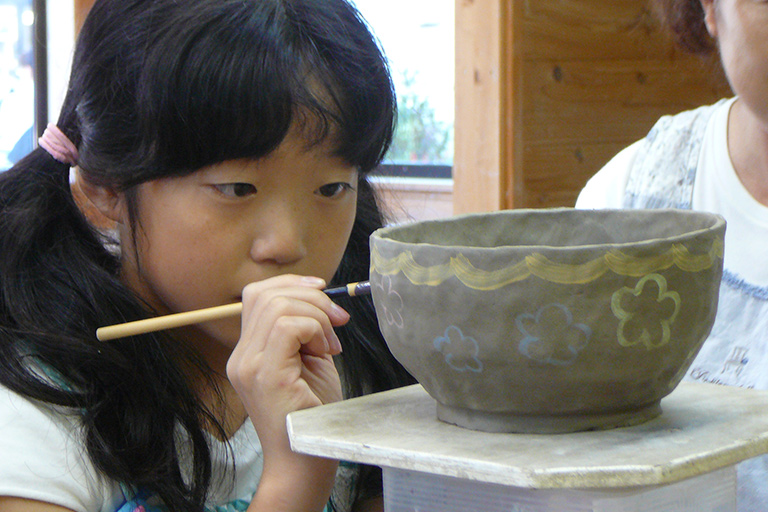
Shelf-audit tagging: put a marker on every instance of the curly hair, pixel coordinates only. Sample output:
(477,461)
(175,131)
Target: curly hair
(684,19)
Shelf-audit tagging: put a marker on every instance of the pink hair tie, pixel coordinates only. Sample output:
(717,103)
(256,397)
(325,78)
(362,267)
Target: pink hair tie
(58,145)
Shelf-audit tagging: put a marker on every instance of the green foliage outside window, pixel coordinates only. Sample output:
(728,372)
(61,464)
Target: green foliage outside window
(419,137)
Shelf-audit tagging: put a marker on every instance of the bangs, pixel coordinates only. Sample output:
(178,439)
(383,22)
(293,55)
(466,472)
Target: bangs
(244,72)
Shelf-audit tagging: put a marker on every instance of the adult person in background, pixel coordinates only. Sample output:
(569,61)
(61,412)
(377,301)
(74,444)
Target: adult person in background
(715,158)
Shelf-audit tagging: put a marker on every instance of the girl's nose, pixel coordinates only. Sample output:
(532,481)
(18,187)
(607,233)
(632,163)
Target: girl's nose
(280,238)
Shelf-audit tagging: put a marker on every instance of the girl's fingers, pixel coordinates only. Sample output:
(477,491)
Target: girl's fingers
(286,343)
(293,371)
(308,289)
(262,318)
(321,377)
(284,281)
(308,335)
(266,301)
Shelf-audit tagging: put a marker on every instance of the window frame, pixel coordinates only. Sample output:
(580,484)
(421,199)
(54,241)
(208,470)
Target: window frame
(40,51)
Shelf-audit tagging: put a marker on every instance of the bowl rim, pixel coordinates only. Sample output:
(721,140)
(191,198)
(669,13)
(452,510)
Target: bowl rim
(383,234)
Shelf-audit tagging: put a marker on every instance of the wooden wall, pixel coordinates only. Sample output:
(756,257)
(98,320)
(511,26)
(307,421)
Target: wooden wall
(548,90)
(81,11)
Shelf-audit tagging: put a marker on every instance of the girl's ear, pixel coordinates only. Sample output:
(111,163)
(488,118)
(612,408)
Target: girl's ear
(108,202)
(710,16)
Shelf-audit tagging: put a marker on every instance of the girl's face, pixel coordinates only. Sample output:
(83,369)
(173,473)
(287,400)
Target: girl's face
(741,29)
(201,238)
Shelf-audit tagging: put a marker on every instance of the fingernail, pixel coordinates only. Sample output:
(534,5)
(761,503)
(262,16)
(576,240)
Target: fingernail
(313,281)
(335,344)
(339,312)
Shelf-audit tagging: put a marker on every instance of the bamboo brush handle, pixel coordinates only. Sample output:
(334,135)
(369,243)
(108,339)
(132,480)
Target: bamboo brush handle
(160,323)
(113,332)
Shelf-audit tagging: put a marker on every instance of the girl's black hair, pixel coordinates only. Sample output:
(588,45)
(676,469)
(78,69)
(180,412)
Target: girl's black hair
(162,88)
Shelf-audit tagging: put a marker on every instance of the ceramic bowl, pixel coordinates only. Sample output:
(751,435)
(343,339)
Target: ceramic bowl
(548,320)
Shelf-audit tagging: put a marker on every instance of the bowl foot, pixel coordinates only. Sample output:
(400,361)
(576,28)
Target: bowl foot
(544,424)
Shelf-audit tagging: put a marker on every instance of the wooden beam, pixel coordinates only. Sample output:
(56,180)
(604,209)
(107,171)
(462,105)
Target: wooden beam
(481,154)
(81,11)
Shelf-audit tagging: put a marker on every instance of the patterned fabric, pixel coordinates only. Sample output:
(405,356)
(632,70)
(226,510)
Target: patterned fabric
(142,502)
(665,166)
(137,502)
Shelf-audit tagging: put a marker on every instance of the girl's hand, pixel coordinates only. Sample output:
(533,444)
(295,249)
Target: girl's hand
(282,363)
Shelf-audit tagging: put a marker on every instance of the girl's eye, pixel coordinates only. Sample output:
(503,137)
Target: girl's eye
(334,189)
(236,189)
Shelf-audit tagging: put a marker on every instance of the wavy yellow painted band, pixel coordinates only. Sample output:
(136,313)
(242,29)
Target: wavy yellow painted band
(538,265)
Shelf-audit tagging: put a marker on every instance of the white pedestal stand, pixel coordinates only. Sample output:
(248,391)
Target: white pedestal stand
(684,460)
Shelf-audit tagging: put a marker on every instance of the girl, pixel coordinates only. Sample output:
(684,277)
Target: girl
(715,158)
(229,142)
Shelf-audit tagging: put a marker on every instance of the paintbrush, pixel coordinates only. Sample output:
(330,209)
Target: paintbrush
(112,332)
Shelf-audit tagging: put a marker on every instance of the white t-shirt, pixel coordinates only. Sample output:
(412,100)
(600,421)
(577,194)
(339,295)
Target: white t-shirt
(736,352)
(42,458)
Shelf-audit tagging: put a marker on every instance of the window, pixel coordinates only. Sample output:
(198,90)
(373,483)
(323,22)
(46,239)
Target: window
(17,80)
(418,39)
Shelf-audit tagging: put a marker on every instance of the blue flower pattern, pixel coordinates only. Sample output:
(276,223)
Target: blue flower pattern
(551,336)
(460,352)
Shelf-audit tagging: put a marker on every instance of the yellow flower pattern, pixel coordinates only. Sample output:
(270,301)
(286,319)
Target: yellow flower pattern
(646,313)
